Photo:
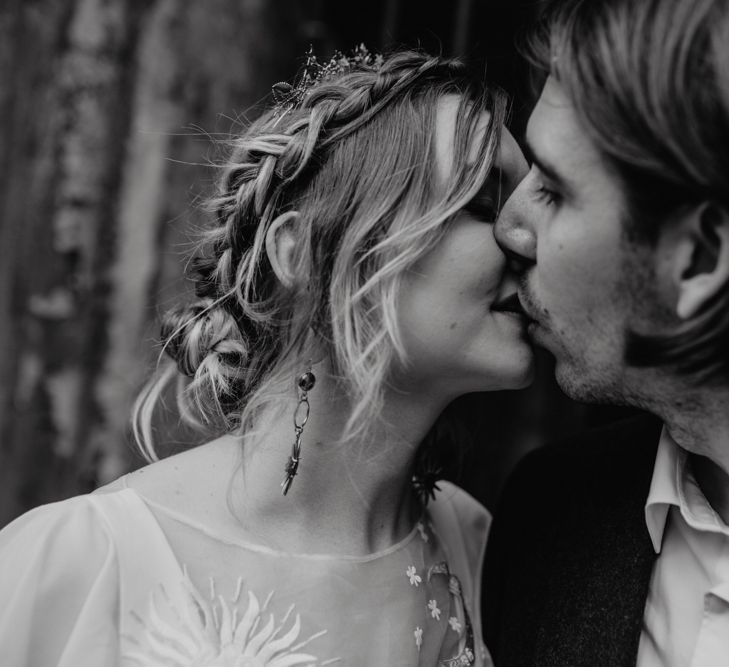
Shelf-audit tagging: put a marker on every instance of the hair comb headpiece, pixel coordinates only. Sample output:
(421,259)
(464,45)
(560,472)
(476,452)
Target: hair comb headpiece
(287,96)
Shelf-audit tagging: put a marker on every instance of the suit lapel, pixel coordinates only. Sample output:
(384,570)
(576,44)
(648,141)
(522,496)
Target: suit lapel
(570,558)
(599,569)
(597,589)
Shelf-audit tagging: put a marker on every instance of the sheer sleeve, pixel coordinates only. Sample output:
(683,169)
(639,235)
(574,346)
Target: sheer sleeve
(463,524)
(58,588)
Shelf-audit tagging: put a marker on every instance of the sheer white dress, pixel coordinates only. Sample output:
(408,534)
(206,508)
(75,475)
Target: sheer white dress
(114,579)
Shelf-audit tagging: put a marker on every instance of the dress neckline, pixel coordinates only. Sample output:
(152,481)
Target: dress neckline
(155,507)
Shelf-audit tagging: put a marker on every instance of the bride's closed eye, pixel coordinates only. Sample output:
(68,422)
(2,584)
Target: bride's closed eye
(484,207)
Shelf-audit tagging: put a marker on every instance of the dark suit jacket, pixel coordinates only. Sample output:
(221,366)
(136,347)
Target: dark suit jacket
(569,558)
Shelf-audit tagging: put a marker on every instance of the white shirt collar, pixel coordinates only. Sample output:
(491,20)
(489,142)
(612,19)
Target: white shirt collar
(673,484)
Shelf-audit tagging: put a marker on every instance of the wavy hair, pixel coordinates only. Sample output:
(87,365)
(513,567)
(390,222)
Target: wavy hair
(355,159)
(649,81)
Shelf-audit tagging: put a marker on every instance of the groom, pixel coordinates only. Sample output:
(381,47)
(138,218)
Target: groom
(613,548)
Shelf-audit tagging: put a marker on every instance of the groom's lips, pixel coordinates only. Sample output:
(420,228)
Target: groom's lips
(526,306)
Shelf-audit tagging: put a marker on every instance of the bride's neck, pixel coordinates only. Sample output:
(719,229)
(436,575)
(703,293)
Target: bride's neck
(350,497)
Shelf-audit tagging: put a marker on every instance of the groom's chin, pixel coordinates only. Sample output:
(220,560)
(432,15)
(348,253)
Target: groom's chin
(586,384)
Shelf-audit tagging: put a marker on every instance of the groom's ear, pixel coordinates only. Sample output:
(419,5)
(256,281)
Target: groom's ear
(700,258)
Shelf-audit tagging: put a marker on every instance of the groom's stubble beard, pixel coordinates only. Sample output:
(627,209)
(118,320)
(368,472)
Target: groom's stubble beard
(574,370)
(590,366)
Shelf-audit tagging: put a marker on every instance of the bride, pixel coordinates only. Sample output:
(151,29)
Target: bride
(349,289)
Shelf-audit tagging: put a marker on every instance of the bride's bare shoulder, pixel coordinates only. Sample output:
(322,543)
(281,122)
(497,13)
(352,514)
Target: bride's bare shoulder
(187,478)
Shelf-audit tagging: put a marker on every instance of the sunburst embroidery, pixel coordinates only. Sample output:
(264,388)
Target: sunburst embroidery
(214,634)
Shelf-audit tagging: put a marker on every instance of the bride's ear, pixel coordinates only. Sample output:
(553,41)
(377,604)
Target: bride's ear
(703,266)
(280,247)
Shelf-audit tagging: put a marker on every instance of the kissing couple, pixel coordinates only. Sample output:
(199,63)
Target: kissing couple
(380,245)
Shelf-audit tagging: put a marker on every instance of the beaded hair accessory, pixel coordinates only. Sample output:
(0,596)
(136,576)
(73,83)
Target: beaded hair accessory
(287,96)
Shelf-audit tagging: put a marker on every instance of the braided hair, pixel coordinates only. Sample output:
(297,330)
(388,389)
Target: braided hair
(355,159)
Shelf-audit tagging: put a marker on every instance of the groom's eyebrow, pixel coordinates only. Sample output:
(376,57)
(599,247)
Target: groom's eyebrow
(549,170)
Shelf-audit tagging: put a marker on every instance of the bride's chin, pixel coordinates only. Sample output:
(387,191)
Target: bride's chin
(518,376)
(521,375)
(526,379)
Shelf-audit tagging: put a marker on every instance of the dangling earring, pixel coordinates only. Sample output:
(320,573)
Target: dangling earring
(305,384)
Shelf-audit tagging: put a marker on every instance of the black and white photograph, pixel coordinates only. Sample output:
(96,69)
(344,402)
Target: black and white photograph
(381,334)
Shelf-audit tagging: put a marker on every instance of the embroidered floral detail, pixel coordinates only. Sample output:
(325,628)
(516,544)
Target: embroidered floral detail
(209,633)
(465,659)
(454,586)
(461,645)
(434,611)
(418,637)
(421,529)
(438,568)
(414,577)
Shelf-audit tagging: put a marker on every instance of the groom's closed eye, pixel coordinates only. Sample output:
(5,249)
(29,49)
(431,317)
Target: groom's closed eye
(549,174)
(546,195)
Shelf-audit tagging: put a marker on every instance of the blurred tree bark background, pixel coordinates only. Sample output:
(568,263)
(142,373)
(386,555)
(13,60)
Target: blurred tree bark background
(109,109)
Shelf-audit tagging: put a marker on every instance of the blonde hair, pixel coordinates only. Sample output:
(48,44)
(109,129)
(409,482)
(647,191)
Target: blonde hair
(355,158)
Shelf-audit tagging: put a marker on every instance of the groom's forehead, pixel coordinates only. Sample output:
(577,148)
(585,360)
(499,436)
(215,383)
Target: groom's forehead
(557,140)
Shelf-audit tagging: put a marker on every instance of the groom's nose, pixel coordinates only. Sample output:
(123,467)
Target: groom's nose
(514,230)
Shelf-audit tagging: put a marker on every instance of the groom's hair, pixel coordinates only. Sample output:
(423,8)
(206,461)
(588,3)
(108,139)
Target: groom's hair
(649,79)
